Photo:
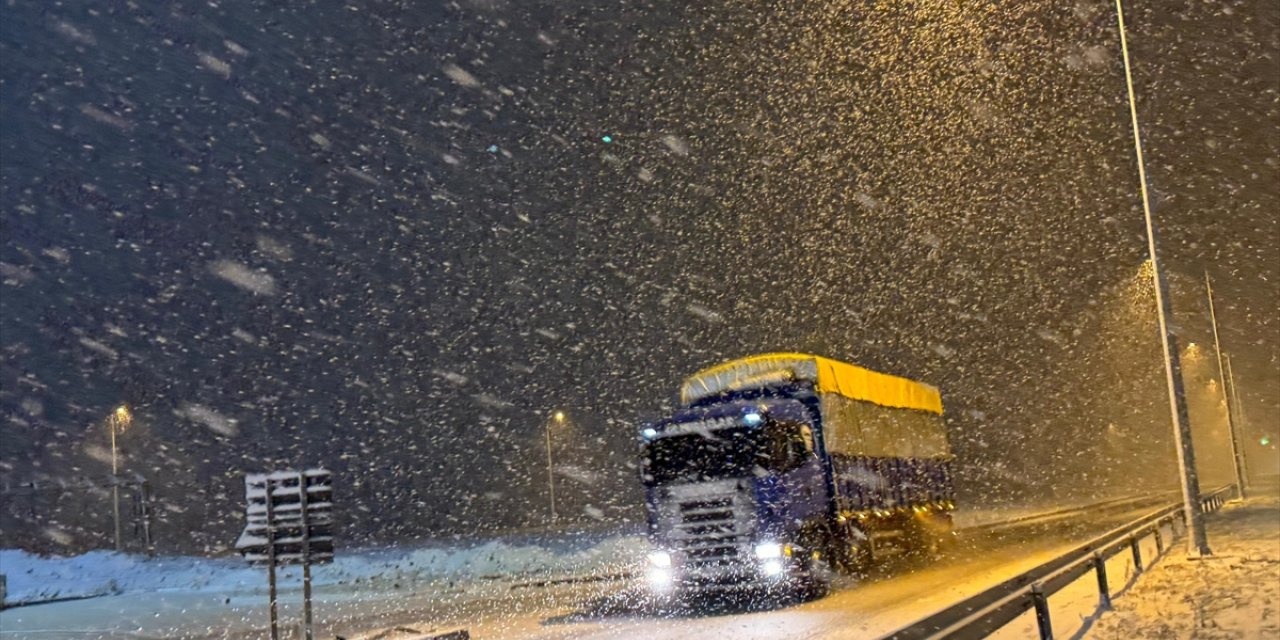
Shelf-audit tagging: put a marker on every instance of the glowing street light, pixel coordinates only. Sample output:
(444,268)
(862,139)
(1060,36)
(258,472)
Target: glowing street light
(558,418)
(117,423)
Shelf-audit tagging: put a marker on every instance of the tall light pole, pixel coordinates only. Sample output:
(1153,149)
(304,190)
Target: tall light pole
(1242,469)
(117,422)
(1236,456)
(557,418)
(1197,540)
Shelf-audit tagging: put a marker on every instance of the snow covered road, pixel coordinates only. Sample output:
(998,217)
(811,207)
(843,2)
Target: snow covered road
(877,606)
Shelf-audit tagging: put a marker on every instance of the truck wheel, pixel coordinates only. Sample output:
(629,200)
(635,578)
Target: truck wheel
(928,535)
(664,603)
(851,549)
(816,582)
(864,557)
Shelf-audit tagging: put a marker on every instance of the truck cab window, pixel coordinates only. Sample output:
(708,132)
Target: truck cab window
(785,446)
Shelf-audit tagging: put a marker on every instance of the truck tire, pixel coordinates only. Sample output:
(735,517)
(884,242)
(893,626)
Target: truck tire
(851,549)
(816,582)
(928,535)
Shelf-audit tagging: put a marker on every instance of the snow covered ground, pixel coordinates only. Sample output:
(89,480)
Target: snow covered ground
(33,578)
(1233,594)
(509,589)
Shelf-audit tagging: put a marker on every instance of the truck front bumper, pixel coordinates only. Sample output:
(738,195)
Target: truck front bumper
(781,575)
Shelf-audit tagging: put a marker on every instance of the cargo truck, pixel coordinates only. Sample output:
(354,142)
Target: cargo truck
(779,469)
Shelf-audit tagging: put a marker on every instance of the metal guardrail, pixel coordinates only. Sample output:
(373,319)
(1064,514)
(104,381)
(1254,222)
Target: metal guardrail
(1044,517)
(981,615)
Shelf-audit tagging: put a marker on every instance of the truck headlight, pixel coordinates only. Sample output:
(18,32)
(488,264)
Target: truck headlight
(659,571)
(772,550)
(771,567)
(659,578)
(660,560)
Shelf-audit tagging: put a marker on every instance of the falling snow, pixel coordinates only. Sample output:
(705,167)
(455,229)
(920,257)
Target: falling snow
(242,276)
(399,240)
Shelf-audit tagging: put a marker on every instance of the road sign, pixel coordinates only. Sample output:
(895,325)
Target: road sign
(293,518)
(288,520)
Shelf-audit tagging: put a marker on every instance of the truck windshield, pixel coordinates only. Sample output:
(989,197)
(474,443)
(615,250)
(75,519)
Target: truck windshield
(725,453)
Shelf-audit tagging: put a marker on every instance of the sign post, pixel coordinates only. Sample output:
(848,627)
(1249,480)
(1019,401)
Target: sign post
(306,562)
(289,520)
(271,558)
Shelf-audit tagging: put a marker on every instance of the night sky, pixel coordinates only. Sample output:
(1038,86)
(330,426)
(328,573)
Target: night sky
(390,238)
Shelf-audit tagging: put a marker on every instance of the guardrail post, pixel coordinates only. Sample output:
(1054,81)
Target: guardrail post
(1137,554)
(1042,612)
(1104,591)
(1159,538)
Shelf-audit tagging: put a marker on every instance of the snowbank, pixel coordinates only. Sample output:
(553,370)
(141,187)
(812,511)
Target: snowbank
(32,578)
(1233,594)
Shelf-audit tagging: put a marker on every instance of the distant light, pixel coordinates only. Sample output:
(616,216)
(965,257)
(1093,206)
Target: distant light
(559,416)
(121,418)
(649,433)
(752,419)
(1265,441)
(606,139)
(493,148)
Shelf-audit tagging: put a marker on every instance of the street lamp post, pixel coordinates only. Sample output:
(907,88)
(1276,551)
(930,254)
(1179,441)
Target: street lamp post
(558,418)
(1234,391)
(1236,456)
(117,422)
(1197,540)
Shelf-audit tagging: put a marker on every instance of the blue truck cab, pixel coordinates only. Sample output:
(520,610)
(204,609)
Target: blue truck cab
(781,468)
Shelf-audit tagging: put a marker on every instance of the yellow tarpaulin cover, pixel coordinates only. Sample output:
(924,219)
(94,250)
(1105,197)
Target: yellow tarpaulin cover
(828,376)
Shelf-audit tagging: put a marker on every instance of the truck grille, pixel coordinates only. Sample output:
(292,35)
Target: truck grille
(710,526)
